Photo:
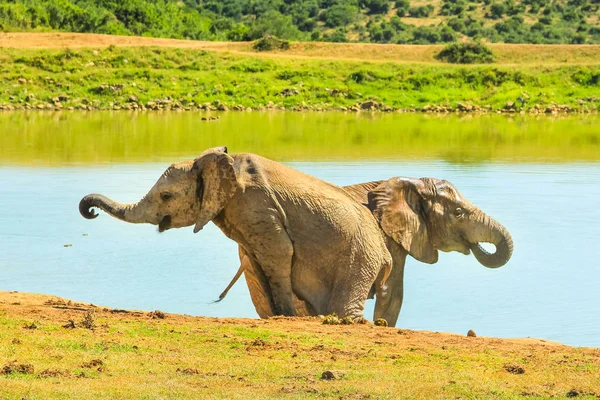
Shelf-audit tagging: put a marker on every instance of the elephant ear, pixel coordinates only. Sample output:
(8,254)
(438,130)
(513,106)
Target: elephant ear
(398,206)
(217,183)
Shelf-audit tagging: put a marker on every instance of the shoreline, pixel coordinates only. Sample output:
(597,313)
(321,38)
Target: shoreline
(56,348)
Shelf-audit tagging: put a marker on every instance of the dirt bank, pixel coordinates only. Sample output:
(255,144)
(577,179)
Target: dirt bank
(53,347)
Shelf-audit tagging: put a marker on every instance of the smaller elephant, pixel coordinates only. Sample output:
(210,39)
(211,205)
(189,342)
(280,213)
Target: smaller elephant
(308,239)
(419,217)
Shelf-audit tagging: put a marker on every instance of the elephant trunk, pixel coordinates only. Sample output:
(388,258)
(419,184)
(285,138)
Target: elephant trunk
(498,235)
(125,212)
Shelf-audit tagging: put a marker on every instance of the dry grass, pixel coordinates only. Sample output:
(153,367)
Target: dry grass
(506,54)
(132,355)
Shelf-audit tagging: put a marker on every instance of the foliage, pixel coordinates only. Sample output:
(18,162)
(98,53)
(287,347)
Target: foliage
(509,21)
(269,43)
(192,77)
(466,53)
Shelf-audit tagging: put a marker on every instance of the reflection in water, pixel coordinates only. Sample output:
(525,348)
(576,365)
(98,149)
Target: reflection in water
(104,137)
(547,290)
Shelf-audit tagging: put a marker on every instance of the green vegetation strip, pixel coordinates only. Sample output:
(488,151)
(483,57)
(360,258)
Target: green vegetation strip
(187,79)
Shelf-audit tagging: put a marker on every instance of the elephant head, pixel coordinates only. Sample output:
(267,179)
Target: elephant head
(187,193)
(426,215)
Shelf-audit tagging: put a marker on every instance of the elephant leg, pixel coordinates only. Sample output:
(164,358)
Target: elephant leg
(389,296)
(273,251)
(348,298)
(258,286)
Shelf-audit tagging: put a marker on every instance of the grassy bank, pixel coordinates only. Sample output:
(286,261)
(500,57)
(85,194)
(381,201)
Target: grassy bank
(187,79)
(112,354)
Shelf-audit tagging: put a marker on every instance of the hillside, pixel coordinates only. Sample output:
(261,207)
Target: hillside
(91,72)
(374,21)
(56,348)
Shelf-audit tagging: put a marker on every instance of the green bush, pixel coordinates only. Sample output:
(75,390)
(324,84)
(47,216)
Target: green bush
(466,53)
(268,43)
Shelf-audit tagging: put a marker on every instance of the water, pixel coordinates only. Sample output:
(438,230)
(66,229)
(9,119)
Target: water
(539,177)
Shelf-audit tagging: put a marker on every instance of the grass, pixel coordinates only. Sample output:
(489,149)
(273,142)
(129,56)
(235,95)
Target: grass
(130,355)
(119,77)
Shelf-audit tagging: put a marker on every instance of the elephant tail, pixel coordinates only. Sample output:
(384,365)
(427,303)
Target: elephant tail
(233,281)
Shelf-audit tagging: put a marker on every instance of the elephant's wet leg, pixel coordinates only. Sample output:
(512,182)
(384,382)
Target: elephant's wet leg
(348,297)
(258,285)
(273,251)
(389,297)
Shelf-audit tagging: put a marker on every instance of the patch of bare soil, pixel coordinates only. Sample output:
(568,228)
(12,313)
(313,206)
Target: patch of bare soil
(40,308)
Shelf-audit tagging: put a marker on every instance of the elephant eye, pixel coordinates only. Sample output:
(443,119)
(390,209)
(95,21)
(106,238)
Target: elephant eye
(166,196)
(458,213)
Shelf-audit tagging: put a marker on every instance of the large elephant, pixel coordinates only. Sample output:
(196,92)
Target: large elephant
(419,217)
(308,238)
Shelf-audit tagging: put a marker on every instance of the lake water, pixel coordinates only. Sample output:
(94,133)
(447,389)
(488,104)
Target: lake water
(539,177)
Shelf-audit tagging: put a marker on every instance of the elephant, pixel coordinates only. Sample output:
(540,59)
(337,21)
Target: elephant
(418,217)
(309,239)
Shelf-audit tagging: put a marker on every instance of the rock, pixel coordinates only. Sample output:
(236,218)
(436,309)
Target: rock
(347,321)
(222,107)
(464,107)
(289,92)
(510,105)
(133,99)
(471,333)
(331,375)
(368,105)
(239,107)
(426,108)
(381,322)
(22,81)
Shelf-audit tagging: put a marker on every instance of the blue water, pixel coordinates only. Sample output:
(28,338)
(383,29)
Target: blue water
(548,290)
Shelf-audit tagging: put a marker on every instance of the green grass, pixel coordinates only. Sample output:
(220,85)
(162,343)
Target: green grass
(187,357)
(107,78)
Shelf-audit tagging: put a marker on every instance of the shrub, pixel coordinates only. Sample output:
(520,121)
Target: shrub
(268,43)
(402,7)
(421,11)
(466,53)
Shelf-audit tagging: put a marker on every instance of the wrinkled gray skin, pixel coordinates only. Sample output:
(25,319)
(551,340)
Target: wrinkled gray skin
(419,217)
(309,240)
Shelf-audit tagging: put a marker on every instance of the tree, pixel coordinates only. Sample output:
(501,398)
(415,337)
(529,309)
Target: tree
(402,7)
(339,15)
(421,11)
(376,6)
(497,10)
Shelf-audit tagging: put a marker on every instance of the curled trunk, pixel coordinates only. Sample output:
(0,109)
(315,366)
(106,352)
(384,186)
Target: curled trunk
(126,212)
(499,236)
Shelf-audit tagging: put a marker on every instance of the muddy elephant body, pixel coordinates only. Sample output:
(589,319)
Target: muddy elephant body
(308,239)
(418,217)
